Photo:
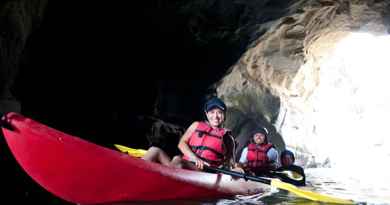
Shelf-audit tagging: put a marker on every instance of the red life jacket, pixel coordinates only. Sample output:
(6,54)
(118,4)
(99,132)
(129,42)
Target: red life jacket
(257,156)
(206,142)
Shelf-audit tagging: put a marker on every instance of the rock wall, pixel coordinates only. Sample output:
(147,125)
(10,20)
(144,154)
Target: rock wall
(18,19)
(276,80)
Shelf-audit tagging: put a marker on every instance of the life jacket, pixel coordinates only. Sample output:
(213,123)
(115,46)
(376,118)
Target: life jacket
(207,143)
(257,157)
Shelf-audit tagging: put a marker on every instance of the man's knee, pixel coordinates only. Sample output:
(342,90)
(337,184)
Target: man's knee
(155,149)
(152,154)
(177,162)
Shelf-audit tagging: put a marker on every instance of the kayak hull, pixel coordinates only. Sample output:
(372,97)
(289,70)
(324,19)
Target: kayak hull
(82,172)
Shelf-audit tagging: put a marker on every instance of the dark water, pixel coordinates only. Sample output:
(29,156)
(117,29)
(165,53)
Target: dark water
(274,198)
(34,194)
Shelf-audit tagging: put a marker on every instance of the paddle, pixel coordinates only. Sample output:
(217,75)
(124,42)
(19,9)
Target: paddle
(283,185)
(131,151)
(289,173)
(273,182)
(292,175)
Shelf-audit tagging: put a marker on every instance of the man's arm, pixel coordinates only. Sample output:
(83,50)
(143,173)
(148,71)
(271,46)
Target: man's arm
(273,157)
(244,153)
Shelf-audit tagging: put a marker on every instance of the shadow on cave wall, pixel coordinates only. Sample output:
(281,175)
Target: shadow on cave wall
(91,70)
(92,74)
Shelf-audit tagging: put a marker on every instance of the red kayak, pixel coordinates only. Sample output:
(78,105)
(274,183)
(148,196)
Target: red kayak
(82,172)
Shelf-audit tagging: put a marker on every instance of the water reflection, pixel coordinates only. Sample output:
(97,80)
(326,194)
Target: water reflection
(339,183)
(320,180)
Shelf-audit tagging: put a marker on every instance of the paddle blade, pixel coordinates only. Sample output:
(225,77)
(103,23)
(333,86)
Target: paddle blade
(131,151)
(309,194)
(290,174)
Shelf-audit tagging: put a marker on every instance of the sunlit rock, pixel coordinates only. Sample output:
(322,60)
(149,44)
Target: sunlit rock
(321,82)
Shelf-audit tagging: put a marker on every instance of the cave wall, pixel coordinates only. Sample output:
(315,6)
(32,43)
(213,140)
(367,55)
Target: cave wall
(280,73)
(98,70)
(18,19)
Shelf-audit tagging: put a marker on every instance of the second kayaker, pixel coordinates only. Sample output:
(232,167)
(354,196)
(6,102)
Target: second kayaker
(259,157)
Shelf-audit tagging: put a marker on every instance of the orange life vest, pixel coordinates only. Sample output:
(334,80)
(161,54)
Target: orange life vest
(257,156)
(207,143)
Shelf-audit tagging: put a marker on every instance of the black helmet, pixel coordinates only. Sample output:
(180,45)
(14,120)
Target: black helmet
(261,130)
(213,103)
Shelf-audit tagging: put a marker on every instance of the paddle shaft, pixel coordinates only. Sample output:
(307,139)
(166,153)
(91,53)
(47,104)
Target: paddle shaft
(238,174)
(141,152)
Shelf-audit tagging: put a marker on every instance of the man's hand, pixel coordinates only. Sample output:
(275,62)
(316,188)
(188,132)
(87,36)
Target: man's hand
(200,163)
(238,169)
